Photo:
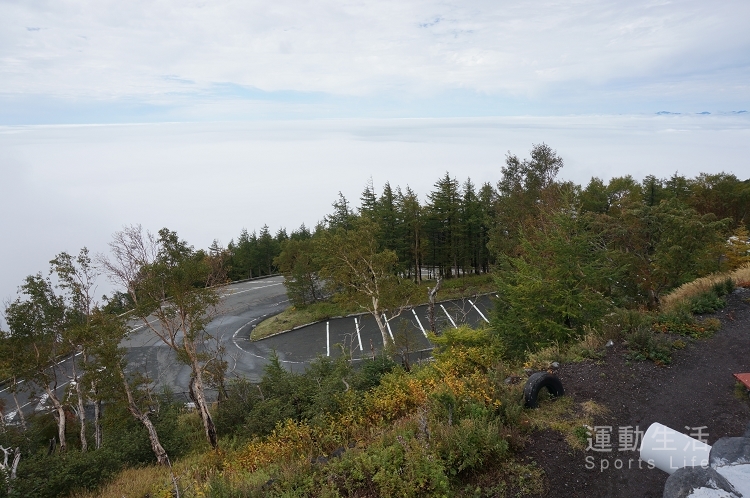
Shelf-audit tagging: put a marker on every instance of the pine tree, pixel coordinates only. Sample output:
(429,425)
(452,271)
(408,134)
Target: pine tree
(471,228)
(302,233)
(267,249)
(653,190)
(410,217)
(443,225)
(342,216)
(368,201)
(387,220)
(487,201)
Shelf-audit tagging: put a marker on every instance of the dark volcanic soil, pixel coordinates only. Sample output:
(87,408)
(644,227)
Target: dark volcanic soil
(697,389)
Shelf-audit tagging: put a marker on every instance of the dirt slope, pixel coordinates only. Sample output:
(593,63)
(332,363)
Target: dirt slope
(697,389)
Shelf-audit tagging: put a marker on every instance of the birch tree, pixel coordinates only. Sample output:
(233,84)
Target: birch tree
(111,364)
(362,273)
(10,467)
(171,285)
(77,278)
(37,322)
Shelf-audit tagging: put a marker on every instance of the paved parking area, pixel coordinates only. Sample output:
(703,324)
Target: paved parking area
(359,336)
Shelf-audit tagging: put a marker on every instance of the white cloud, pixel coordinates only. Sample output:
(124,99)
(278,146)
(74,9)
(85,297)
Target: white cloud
(155,51)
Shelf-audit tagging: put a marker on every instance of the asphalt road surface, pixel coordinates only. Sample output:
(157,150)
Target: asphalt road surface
(243,305)
(246,304)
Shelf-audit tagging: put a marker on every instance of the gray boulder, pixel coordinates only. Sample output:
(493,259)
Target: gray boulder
(693,482)
(730,451)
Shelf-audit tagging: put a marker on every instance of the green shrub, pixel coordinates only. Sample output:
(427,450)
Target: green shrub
(397,465)
(623,322)
(469,444)
(55,475)
(712,300)
(255,410)
(555,287)
(724,288)
(371,371)
(233,410)
(645,345)
(707,302)
(464,336)
(125,436)
(681,321)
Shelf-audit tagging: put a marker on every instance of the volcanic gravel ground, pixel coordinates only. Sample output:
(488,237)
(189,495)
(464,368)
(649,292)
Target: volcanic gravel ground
(697,389)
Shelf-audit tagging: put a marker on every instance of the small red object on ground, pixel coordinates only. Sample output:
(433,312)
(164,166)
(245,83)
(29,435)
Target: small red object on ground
(744,378)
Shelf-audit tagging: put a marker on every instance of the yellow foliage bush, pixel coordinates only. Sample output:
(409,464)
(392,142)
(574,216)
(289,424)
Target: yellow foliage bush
(136,483)
(460,369)
(289,441)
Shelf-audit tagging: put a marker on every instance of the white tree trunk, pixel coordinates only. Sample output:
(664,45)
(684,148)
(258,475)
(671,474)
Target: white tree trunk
(10,469)
(159,452)
(382,326)
(377,313)
(198,395)
(14,468)
(98,424)
(60,418)
(18,407)
(81,411)
(432,296)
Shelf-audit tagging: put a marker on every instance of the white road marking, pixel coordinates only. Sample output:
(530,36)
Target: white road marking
(144,325)
(480,313)
(66,359)
(19,382)
(388,325)
(234,336)
(359,338)
(420,323)
(449,317)
(27,404)
(328,339)
(11,415)
(233,293)
(265,358)
(248,323)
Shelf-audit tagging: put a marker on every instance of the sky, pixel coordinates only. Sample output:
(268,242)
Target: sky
(207,117)
(78,61)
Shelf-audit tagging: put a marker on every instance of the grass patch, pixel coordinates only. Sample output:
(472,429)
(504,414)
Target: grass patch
(509,479)
(647,336)
(691,290)
(589,347)
(454,288)
(645,345)
(741,392)
(137,482)
(294,317)
(567,417)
